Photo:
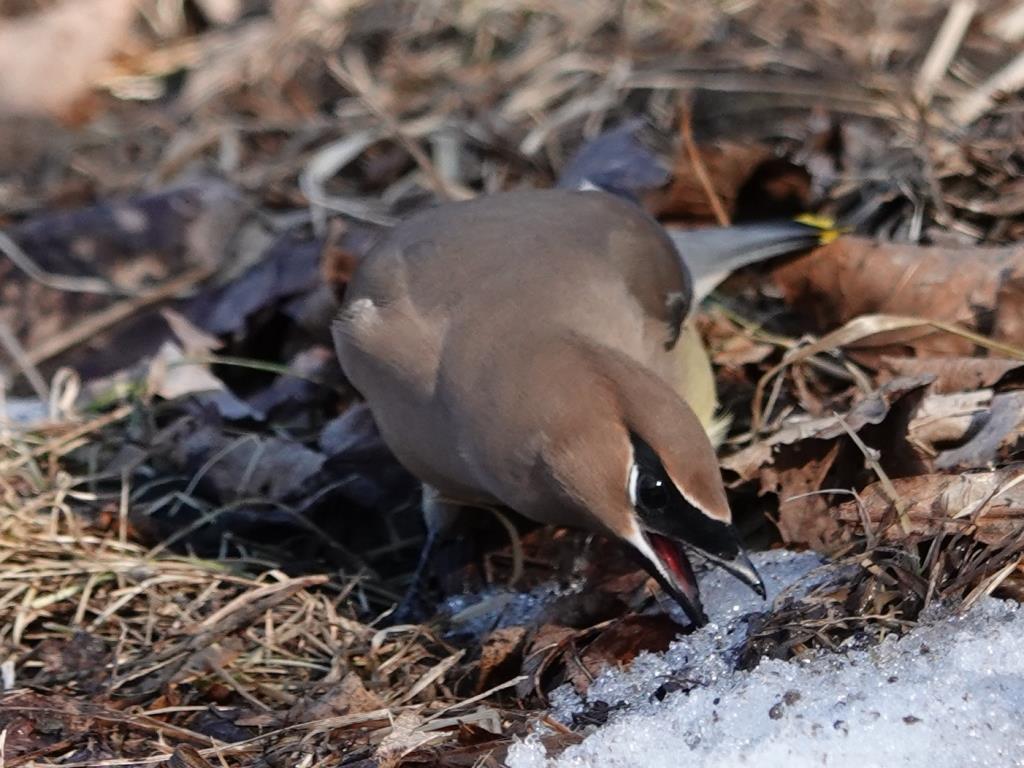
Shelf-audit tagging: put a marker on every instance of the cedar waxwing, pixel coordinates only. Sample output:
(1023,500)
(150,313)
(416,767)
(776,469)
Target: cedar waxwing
(529,350)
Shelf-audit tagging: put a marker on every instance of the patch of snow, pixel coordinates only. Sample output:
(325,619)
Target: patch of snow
(949,693)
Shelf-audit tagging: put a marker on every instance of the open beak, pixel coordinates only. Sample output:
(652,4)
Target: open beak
(673,571)
(669,564)
(741,567)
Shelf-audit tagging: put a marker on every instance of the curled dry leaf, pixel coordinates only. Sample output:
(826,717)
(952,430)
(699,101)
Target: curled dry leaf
(623,640)
(803,459)
(558,654)
(346,696)
(500,656)
(971,286)
(252,465)
(869,410)
(998,429)
(186,756)
(948,419)
(989,506)
(172,375)
(728,165)
(955,374)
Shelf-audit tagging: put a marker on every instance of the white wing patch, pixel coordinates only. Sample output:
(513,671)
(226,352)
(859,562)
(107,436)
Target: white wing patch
(363,314)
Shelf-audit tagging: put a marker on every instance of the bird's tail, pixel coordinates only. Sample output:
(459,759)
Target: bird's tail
(715,253)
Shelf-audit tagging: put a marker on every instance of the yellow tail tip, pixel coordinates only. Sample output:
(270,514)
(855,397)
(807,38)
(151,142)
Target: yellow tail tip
(829,230)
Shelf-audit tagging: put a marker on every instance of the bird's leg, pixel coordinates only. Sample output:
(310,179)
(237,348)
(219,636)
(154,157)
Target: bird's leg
(440,516)
(414,605)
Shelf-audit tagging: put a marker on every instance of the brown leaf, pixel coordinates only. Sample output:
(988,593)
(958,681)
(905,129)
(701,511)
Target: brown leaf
(728,165)
(406,736)
(807,456)
(854,276)
(804,514)
(500,656)
(869,410)
(86,33)
(338,260)
(185,756)
(1009,320)
(124,250)
(1001,426)
(987,505)
(346,696)
(269,467)
(82,659)
(955,374)
(625,639)
(546,645)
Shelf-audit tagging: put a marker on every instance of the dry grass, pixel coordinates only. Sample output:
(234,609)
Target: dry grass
(125,655)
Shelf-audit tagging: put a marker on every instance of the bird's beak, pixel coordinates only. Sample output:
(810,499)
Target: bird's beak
(666,559)
(741,567)
(669,564)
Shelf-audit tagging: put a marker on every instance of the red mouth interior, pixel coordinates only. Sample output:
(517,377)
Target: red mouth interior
(674,558)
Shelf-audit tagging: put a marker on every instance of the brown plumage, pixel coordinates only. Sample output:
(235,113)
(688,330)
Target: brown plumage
(529,349)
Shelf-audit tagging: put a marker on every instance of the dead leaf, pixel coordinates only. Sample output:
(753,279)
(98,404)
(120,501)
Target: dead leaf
(729,166)
(804,515)
(626,638)
(805,458)
(171,375)
(499,656)
(1000,426)
(406,736)
(854,276)
(546,645)
(987,505)
(955,374)
(195,342)
(86,33)
(251,465)
(945,420)
(346,696)
(288,269)
(1008,324)
(337,261)
(80,266)
(871,409)
(185,756)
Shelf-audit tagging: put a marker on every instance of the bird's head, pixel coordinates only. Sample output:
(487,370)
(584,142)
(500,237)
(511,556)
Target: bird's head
(641,467)
(669,521)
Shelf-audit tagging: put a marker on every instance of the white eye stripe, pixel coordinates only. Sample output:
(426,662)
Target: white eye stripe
(632,481)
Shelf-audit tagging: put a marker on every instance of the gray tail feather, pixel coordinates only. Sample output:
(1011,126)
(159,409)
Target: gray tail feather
(715,253)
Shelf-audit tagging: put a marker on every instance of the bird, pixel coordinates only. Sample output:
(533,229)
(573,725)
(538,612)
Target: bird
(532,350)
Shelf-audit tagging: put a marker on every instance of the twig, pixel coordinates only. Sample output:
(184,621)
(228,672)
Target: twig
(943,50)
(871,459)
(10,344)
(979,100)
(67,283)
(342,75)
(858,329)
(686,132)
(106,318)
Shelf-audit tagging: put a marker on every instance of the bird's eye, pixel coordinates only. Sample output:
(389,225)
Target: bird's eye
(652,493)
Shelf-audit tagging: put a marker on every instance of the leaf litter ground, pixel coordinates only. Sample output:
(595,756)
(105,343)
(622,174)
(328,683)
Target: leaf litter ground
(201,528)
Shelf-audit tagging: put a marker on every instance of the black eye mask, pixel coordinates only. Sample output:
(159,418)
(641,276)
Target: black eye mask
(662,509)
